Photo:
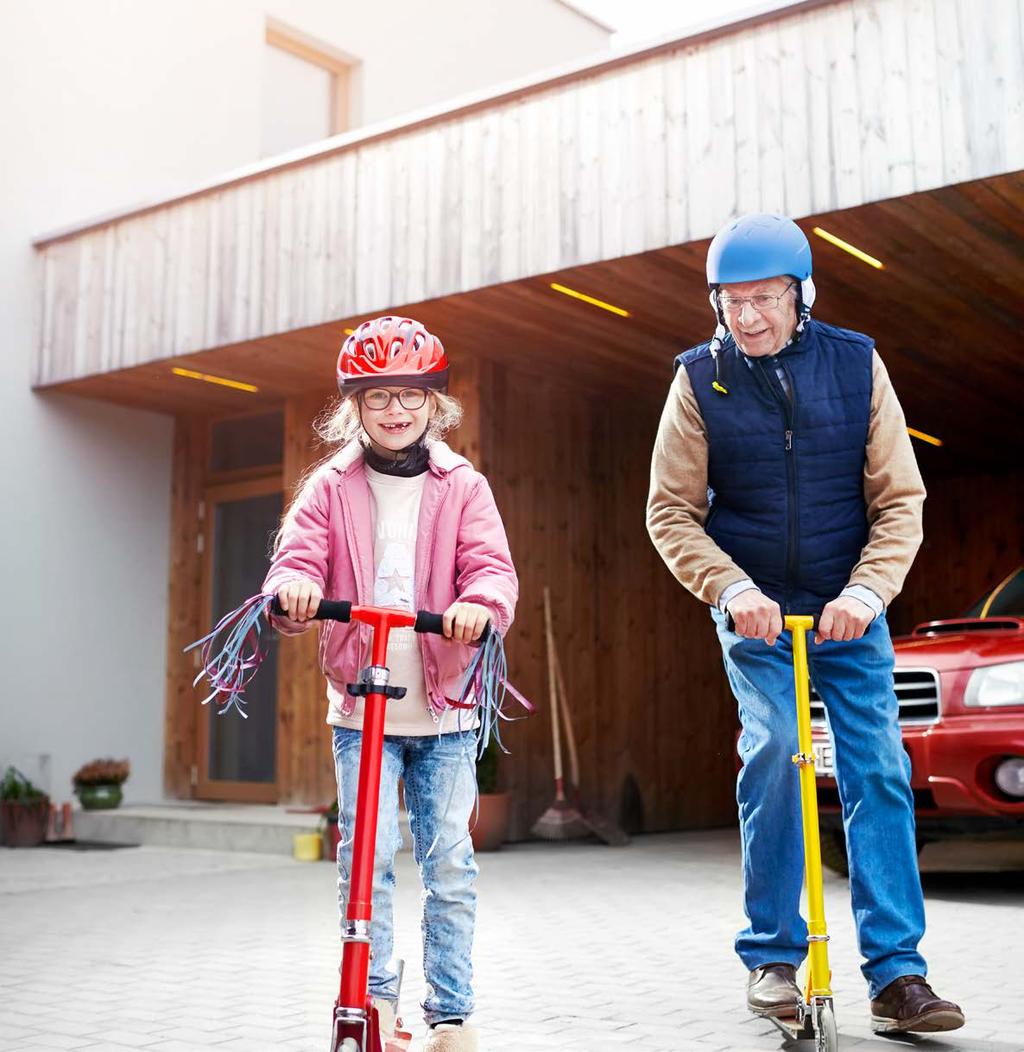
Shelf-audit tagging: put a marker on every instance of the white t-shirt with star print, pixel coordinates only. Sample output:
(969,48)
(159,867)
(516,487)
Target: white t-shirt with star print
(396,511)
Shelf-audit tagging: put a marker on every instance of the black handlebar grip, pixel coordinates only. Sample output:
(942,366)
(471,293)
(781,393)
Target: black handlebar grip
(731,624)
(434,624)
(428,622)
(328,610)
(334,610)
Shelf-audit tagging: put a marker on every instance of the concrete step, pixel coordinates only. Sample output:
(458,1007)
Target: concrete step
(261,828)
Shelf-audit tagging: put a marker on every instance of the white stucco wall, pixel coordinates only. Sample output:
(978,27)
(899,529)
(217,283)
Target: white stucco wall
(104,103)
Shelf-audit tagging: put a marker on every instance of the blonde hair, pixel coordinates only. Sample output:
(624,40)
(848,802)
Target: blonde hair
(339,425)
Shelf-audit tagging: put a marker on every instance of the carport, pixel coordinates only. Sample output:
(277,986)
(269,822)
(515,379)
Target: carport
(488,221)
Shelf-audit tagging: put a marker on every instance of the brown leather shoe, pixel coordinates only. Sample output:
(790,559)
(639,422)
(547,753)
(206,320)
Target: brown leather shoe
(908,1005)
(772,990)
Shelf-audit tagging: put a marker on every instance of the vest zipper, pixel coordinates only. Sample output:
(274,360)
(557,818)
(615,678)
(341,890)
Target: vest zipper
(788,404)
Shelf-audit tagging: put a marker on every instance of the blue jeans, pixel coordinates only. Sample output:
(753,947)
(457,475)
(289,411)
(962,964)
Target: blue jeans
(855,681)
(440,794)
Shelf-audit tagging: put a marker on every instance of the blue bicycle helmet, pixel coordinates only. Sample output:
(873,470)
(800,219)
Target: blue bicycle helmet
(752,248)
(758,246)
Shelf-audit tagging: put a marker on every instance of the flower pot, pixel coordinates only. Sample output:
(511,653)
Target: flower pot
(306,847)
(491,827)
(24,823)
(99,797)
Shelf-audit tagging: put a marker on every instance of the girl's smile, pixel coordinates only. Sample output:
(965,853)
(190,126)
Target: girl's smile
(394,427)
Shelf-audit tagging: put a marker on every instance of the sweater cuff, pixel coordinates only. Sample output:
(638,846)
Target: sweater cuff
(730,593)
(869,598)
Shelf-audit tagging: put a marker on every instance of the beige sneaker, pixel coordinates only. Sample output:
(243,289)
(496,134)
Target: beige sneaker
(448,1038)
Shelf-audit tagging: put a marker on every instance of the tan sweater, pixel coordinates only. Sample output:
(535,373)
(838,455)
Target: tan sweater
(677,506)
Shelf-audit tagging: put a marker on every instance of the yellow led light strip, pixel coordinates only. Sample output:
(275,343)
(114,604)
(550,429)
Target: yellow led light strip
(847,247)
(589,299)
(930,439)
(209,379)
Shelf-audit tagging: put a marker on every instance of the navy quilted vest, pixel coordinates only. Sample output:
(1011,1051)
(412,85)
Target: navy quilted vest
(786,478)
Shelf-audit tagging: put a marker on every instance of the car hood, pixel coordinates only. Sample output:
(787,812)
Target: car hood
(939,645)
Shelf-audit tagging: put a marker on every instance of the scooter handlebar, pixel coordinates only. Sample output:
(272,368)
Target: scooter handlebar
(341,610)
(730,623)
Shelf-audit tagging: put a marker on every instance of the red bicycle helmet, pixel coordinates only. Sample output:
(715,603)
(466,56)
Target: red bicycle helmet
(392,352)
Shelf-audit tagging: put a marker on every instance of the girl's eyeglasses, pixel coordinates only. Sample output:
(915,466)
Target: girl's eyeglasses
(379,398)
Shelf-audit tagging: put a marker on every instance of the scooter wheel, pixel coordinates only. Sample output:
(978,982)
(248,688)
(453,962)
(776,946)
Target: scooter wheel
(350,1044)
(826,1036)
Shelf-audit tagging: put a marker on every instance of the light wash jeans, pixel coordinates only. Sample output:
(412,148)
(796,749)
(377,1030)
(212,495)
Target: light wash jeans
(440,795)
(855,681)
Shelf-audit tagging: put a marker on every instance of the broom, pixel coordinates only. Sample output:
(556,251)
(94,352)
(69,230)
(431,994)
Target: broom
(561,821)
(603,828)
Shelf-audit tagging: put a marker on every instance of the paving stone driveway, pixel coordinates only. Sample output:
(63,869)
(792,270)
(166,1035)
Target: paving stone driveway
(580,948)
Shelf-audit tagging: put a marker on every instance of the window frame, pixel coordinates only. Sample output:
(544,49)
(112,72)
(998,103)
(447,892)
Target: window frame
(318,53)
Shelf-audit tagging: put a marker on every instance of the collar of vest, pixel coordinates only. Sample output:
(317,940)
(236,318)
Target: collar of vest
(804,342)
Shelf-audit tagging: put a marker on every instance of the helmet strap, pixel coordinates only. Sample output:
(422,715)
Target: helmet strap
(805,295)
(717,343)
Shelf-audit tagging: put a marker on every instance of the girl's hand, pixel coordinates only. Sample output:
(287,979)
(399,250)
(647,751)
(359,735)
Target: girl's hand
(464,622)
(299,599)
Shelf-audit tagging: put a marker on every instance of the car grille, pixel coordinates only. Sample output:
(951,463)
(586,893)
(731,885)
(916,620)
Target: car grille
(917,690)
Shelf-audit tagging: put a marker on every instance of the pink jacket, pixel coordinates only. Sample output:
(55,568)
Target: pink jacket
(461,553)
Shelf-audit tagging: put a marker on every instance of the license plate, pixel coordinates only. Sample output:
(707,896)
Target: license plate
(824,764)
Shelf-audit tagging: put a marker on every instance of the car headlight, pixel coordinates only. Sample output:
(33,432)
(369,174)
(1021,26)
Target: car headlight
(1009,776)
(996,685)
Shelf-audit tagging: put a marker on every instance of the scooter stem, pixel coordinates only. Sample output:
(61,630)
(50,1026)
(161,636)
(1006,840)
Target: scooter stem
(819,975)
(355,959)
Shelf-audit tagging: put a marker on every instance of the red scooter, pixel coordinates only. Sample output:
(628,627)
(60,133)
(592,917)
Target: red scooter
(355,1025)
(232,654)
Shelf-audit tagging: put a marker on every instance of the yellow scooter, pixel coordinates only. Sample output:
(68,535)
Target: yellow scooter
(815,1016)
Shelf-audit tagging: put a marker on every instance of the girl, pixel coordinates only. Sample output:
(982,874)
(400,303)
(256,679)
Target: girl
(395,518)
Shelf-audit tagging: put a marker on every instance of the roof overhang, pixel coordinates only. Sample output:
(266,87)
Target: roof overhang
(608,178)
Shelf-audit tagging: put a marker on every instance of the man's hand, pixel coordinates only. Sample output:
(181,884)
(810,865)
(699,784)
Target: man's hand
(463,622)
(756,616)
(843,619)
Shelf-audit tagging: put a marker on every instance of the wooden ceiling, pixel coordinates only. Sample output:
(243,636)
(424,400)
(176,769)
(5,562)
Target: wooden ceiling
(946,311)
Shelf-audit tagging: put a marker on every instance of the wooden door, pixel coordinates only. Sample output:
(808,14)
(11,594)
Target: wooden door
(237,758)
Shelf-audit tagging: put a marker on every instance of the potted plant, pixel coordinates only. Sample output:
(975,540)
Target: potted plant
(98,783)
(24,810)
(491,827)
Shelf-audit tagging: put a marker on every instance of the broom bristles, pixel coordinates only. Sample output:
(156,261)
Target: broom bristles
(561,821)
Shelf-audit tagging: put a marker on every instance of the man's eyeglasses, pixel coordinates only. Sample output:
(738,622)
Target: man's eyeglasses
(761,302)
(379,398)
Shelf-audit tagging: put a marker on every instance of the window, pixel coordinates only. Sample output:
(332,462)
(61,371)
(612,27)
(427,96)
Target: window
(305,90)
(244,442)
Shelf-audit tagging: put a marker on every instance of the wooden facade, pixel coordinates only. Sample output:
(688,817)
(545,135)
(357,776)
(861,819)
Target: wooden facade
(652,709)
(827,105)
(569,474)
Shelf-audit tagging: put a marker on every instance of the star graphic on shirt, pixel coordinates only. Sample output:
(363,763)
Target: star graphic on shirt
(397,582)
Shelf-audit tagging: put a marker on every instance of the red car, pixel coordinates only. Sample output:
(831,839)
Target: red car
(960,685)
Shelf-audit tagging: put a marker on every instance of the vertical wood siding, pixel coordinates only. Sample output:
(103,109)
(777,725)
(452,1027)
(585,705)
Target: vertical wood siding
(815,111)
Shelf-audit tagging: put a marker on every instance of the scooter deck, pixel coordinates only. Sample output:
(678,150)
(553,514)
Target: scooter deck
(795,1028)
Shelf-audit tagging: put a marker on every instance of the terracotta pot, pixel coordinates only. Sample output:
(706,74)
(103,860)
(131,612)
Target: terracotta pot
(99,797)
(491,829)
(24,824)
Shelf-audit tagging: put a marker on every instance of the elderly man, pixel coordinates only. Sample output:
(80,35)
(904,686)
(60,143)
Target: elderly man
(783,482)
